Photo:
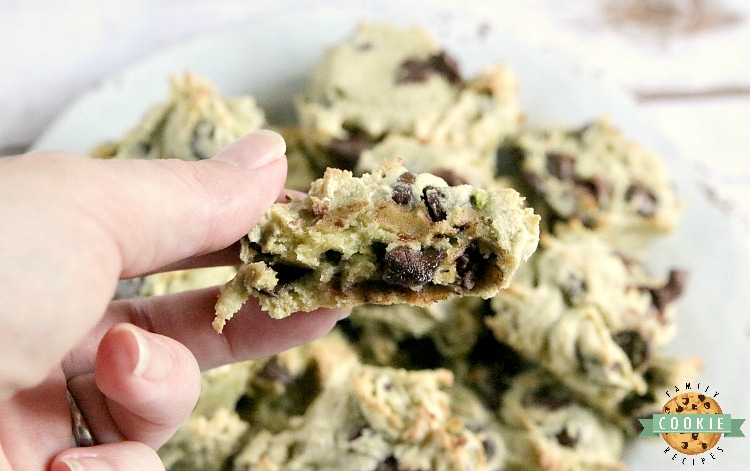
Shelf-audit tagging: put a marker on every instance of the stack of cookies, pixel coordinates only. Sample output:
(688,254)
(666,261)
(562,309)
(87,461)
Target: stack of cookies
(518,329)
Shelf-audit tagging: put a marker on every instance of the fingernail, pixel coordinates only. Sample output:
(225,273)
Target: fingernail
(72,464)
(153,359)
(254,150)
(84,463)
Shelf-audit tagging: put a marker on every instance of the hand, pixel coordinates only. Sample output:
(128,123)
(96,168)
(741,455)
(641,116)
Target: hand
(72,227)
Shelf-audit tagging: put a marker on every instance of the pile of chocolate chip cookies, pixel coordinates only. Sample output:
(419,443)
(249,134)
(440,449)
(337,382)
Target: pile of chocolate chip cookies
(551,372)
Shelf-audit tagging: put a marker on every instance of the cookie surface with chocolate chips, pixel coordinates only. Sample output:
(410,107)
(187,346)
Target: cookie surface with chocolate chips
(385,80)
(595,175)
(388,237)
(193,124)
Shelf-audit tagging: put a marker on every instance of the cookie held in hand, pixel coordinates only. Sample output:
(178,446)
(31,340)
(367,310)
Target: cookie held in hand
(389,237)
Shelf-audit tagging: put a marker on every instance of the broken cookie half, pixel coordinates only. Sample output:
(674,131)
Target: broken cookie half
(388,237)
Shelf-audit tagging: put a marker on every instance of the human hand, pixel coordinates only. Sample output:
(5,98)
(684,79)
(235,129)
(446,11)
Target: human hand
(72,226)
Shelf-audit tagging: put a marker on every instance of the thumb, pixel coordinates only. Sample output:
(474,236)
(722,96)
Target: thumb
(184,209)
(77,224)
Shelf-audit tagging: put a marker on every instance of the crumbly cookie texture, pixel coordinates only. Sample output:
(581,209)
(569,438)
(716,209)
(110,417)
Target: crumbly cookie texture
(414,336)
(389,237)
(386,79)
(205,442)
(596,175)
(457,166)
(374,418)
(588,314)
(546,429)
(195,123)
(184,280)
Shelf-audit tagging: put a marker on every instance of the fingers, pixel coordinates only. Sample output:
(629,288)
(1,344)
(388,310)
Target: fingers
(124,456)
(149,384)
(186,317)
(169,210)
(79,224)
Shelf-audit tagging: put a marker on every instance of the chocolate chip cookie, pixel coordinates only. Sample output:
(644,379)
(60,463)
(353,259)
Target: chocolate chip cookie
(587,313)
(385,79)
(388,237)
(595,175)
(195,123)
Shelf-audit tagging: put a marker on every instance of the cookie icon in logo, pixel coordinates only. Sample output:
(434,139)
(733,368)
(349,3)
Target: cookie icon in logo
(692,443)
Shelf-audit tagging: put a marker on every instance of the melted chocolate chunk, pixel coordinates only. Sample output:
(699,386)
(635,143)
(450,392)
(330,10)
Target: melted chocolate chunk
(450,177)
(388,464)
(561,166)
(405,267)
(419,70)
(535,183)
(333,256)
(433,199)
(564,439)
(493,366)
(671,291)
(509,159)
(574,289)
(274,371)
(345,153)
(471,267)
(644,200)
(548,396)
(143,148)
(204,131)
(403,193)
(286,274)
(599,188)
(634,345)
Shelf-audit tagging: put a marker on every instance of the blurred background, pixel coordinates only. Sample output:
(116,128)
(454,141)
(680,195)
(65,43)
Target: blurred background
(686,63)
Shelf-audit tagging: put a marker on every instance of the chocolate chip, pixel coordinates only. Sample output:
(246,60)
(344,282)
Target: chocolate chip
(345,153)
(388,464)
(644,200)
(402,190)
(356,432)
(143,148)
(535,183)
(203,131)
(694,436)
(408,177)
(636,348)
(433,199)
(419,70)
(286,274)
(333,256)
(701,397)
(405,267)
(599,188)
(671,291)
(561,165)
(548,396)
(565,439)
(574,289)
(509,159)
(274,371)
(470,267)
(450,177)
(489,448)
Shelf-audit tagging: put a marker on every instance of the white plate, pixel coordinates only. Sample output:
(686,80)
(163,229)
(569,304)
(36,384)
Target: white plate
(271,59)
